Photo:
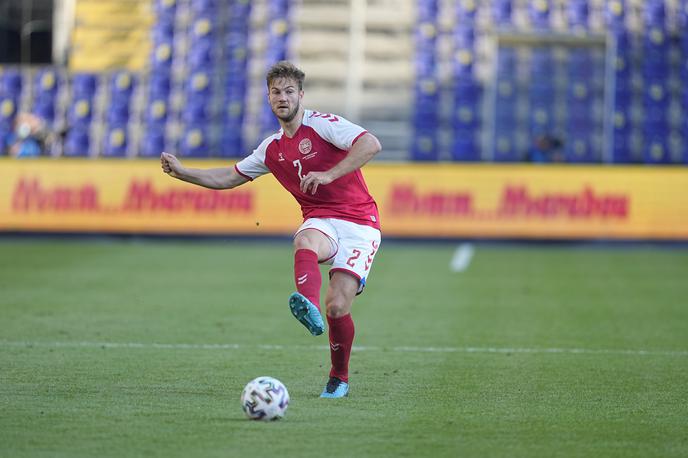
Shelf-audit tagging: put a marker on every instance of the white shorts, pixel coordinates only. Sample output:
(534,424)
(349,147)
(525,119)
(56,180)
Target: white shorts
(353,246)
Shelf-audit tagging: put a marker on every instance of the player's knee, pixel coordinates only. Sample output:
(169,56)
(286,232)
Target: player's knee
(337,306)
(305,241)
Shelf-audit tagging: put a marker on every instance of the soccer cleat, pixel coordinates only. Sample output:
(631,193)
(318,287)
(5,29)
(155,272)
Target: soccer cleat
(335,388)
(307,313)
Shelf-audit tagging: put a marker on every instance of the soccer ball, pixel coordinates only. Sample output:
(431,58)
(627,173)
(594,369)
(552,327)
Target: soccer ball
(265,398)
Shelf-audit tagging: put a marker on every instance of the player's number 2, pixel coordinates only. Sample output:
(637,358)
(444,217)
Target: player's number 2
(297,164)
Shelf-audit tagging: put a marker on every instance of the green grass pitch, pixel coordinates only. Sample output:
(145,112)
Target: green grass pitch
(142,348)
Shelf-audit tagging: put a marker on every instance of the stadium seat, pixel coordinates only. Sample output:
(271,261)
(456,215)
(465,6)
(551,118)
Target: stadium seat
(656,150)
(81,111)
(77,142)
(199,84)
(84,85)
(115,141)
(46,84)
(45,109)
(232,143)
(122,85)
(577,13)
(159,84)
(654,13)
(8,109)
(196,111)
(424,146)
(505,147)
(152,142)
(501,13)
(465,146)
(195,142)
(200,56)
(578,149)
(156,111)
(118,112)
(161,54)
(11,83)
(165,8)
(539,12)
(204,7)
(616,15)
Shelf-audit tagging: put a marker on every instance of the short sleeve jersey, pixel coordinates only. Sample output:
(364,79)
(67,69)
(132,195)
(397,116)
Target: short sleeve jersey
(321,142)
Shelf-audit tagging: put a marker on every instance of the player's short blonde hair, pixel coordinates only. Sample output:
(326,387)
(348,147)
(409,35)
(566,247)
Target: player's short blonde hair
(285,69)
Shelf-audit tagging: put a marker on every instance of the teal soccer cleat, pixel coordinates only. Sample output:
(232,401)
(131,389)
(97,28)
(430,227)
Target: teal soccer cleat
(335,388)
(307,313)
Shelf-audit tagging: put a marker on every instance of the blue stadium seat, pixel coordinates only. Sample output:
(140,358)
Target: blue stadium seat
(202,29)
(654,13)
(45,109)
(577,13)
(501,13)
(621,152)
(156,111)
(122,85)
(232,143)
(195,142)
(539,12)
(424,145)
(11,83)
(505,148)
(8,109)
(199,84)
(196,111)
(466,11)
(165,8)
(81,111)
(77,142)
(200,56)
(153,142)
(46,84)
(161,54)
(465,146)
(616,15)
(204,7)
(115,141)
(656,150)
(84,85)
(5,134)
(507,62)
(578,149)
(159,84)
(118,112)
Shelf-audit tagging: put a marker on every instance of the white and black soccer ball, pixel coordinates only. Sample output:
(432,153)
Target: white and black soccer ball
(265,398)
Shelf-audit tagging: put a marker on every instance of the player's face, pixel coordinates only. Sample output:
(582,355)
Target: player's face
(285,98)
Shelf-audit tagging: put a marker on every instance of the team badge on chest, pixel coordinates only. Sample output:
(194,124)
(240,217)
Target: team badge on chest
(305,146)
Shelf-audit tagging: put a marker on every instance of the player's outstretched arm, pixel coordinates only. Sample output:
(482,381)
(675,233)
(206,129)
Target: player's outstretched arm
(360,153)
(218,178)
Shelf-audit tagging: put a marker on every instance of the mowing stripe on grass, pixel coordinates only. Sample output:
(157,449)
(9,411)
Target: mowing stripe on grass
(462,258)
(183,346)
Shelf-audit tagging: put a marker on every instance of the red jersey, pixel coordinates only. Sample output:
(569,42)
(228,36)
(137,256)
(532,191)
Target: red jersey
(319,144)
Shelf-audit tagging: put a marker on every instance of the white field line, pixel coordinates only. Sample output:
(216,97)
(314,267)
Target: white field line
(183,346)
(462,258)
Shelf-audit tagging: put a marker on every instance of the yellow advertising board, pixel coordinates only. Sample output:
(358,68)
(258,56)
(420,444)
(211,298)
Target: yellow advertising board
(415,200)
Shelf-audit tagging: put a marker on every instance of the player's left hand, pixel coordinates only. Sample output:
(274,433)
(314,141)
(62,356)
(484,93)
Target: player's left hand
(313,180)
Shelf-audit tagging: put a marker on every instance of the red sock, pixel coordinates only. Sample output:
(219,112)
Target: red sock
(341,340)
(307,275)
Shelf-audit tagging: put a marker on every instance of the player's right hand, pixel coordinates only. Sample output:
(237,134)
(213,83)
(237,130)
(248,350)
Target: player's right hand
(170,164)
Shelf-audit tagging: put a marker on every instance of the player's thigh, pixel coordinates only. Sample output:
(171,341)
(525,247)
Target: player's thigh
(341,292)
(358,246)
(319,236)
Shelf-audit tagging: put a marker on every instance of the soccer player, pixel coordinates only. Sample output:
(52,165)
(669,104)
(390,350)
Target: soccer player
(317,158)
